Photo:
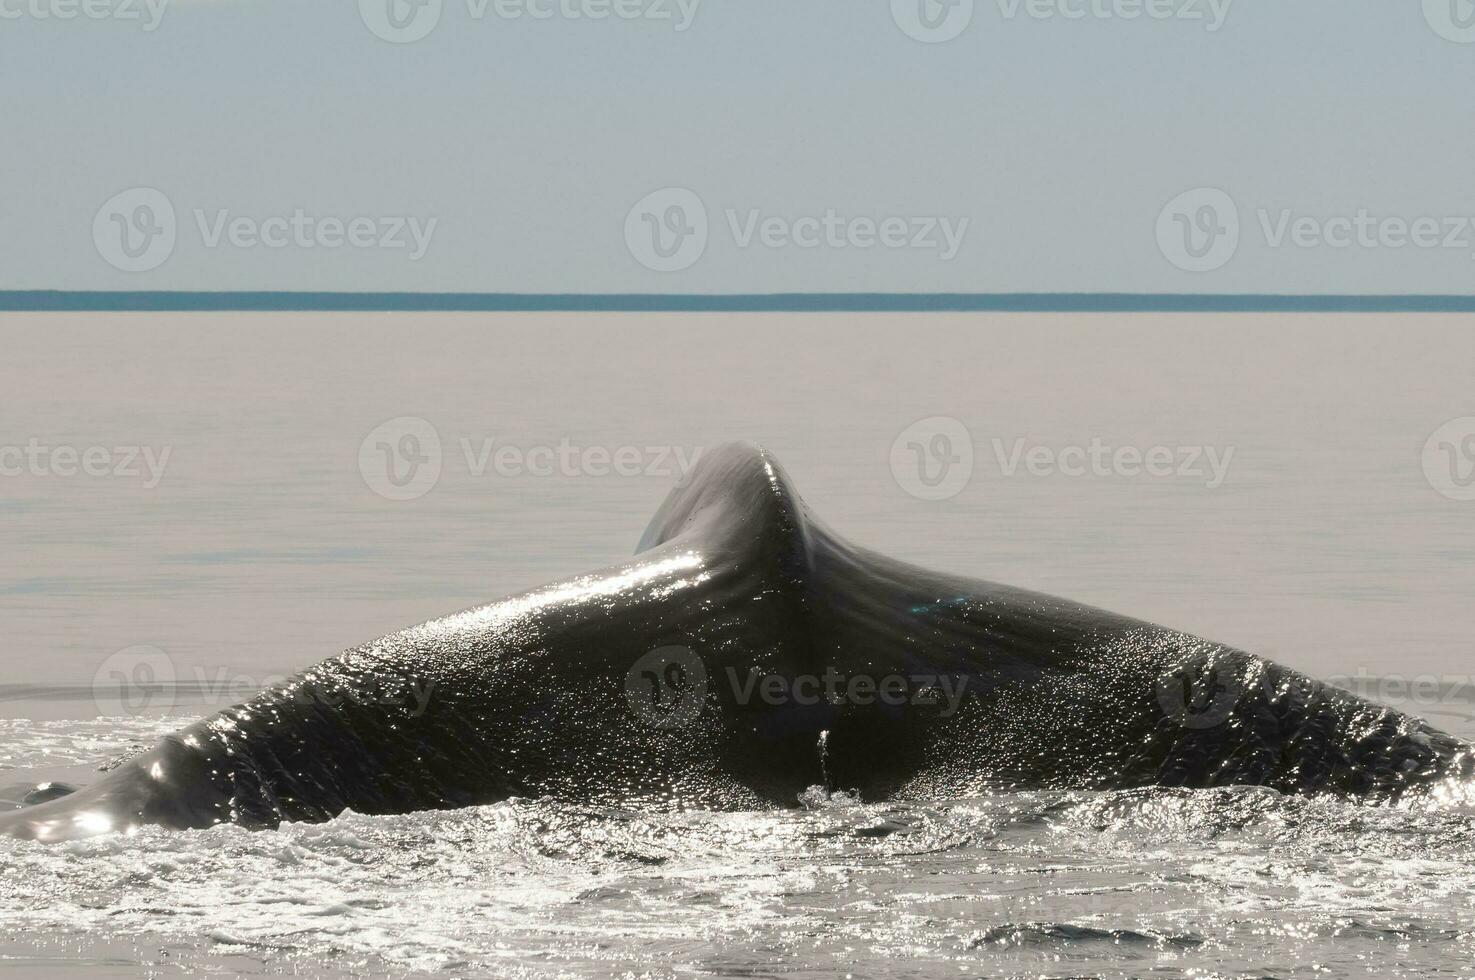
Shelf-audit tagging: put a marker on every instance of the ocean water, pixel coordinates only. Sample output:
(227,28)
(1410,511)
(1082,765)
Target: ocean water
(265,545)
(1163,883)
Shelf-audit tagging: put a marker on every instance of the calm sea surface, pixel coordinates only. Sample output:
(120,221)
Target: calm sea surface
(239,526)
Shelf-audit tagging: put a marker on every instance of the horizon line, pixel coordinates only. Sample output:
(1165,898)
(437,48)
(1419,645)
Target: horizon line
(162,301)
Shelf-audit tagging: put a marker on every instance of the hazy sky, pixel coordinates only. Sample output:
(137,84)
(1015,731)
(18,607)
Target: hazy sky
(1035,150)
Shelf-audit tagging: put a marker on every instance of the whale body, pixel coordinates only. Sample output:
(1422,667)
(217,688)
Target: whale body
(744,655)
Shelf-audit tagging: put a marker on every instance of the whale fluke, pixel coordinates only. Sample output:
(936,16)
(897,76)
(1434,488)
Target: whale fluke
(745,654)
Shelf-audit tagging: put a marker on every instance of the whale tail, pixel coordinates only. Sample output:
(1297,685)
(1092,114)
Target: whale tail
(941,685)
(743,655)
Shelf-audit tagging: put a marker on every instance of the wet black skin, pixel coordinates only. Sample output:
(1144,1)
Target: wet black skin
(534,695)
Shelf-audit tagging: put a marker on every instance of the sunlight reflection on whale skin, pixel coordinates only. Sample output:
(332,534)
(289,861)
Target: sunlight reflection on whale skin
(529,696)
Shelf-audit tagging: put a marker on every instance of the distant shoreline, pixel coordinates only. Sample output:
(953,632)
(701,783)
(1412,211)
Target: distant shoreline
(40,301)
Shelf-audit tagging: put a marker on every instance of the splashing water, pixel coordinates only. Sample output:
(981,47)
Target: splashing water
(1179,883)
